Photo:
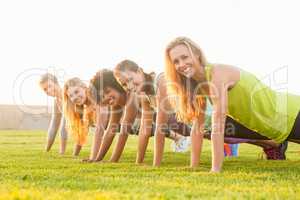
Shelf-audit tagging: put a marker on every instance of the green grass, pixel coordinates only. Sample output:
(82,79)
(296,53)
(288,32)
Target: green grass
(27,172)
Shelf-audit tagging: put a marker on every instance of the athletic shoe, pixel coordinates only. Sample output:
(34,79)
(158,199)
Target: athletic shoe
(182,145)
(276,153)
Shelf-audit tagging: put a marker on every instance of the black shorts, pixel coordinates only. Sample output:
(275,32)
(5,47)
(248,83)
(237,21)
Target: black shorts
(172,125)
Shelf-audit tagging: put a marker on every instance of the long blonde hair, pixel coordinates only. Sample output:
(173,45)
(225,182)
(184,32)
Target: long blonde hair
(78,118)
(188,103)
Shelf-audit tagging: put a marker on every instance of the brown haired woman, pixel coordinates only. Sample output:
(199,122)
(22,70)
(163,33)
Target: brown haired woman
(124,117)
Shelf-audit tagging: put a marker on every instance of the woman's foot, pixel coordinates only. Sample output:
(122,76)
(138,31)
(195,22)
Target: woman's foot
(276,153)
(181,145)
(87,160)
(77,149)
(63,144)
(49,144)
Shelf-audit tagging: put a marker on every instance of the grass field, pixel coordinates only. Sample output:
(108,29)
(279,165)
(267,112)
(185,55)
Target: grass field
(27,172)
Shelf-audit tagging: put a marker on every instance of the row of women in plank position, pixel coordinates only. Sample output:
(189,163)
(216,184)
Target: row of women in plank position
(192,97)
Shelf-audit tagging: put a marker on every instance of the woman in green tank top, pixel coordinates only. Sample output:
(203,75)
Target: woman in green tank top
(153,96)
(233,93)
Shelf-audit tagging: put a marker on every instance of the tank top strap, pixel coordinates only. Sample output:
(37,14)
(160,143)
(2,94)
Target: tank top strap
(156,78)
(207,69)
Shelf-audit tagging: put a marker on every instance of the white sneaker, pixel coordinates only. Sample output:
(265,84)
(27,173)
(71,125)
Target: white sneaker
(182,145)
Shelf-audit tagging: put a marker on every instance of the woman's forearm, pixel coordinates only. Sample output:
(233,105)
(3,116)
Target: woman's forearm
(63,136)
(145,130)
(52,129)
(159,147)
(105,145)
(217,142)
(96,144)
(142,146)
(77,149)
(119,147)
(197,139)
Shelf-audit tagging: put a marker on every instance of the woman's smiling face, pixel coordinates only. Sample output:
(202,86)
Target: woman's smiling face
(111,97)
(77,95)
(50,88)
(182,59)
(130,80)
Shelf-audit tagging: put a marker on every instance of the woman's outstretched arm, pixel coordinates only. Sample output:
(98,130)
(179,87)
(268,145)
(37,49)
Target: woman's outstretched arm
(112,128)
(145,129)
(53,126)
(219,97)
(102,117)
(129,115)
(164,109)
(197,134)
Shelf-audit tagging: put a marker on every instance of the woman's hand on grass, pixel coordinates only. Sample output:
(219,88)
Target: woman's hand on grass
(87,160)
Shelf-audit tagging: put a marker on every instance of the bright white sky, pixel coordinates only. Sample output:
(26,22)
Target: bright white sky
(77,38)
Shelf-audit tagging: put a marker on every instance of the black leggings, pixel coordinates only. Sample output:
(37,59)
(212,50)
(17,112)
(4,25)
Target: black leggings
(232,129)
(295,133)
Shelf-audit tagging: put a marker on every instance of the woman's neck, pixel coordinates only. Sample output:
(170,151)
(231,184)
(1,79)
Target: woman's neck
(87,105)
(199,74)
(87,101)
(149,80)
(59,94)
(123,98)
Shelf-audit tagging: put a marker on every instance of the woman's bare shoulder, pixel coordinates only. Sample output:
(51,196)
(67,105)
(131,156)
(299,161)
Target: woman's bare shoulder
(224,73)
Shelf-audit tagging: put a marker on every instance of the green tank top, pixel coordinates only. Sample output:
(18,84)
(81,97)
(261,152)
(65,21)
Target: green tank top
(259,108)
